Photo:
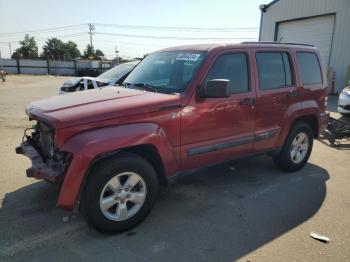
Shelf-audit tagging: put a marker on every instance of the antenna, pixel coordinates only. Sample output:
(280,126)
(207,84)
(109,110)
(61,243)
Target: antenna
(0,61)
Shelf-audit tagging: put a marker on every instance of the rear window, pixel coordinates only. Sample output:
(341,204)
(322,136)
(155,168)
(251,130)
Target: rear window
(309,68)
(274,70)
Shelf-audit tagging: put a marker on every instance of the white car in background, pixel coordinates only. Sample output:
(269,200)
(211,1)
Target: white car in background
(114,76)
(344,101)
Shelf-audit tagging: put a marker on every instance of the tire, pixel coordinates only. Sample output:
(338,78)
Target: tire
(289,160)
(102,190)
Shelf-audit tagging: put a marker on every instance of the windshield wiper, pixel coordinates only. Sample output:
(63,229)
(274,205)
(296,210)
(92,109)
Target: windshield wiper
(146,86)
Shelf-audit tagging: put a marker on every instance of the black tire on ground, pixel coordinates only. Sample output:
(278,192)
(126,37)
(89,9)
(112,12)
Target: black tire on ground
(284,159)
(101,173)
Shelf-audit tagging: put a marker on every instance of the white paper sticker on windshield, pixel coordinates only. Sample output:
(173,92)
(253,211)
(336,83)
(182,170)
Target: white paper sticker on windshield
(188,57)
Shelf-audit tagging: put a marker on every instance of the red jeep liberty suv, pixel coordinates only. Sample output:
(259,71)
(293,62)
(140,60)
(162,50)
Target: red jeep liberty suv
(180,109)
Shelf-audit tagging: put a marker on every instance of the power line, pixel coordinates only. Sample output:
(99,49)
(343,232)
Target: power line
(172,28)
(46,38)
(44,30)
(123,26)
(174,36)
(128,43)
(177,37)
(70,35)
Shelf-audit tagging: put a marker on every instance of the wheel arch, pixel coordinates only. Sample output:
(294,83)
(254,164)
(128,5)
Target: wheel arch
(147,151)
(311,120)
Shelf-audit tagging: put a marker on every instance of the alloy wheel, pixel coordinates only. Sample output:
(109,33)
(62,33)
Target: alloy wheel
(123,196)
(299,147)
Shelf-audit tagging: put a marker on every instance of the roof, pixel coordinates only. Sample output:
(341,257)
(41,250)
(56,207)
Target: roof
(198,47)
(264,7)
(209,47)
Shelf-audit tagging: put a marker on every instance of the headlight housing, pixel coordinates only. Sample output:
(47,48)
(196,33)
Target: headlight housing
(346,91)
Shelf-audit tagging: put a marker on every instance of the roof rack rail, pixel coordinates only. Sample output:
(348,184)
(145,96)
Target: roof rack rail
(275,43)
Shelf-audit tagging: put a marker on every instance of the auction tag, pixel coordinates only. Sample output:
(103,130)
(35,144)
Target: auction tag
(188,57)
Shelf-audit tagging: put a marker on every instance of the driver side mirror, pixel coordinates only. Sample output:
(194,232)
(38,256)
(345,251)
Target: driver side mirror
(215,88)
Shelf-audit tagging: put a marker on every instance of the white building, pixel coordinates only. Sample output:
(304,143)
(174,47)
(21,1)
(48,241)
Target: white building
(323,23)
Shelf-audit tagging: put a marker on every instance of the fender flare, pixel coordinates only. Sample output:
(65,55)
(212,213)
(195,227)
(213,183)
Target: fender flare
(88,145)
(295,111)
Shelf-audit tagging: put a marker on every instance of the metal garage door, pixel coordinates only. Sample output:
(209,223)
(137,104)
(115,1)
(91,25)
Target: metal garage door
(317,31)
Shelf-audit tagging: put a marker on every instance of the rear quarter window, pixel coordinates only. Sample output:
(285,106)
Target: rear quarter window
(309,68)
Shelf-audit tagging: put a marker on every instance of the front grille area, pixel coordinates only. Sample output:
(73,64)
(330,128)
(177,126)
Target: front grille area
(44,137)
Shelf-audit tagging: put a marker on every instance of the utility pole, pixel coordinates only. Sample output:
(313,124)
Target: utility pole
(10,49)
(91,32)
(116,55)
(0,61)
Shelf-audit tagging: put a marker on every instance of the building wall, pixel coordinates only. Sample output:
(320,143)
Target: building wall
(291,9)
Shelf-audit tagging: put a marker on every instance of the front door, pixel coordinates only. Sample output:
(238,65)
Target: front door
(218,129)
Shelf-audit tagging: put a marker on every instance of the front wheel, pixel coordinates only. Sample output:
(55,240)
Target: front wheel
(296,149)
(119,193)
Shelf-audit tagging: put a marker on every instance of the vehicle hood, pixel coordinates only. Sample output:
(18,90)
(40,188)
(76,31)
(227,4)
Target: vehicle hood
(97,105)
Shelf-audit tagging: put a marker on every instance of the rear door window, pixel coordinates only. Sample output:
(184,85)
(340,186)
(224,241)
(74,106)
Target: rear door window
(309,68)
(233,67)
(274,70)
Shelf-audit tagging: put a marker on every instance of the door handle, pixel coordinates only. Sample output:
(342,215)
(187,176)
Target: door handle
(292,93)
(247,101)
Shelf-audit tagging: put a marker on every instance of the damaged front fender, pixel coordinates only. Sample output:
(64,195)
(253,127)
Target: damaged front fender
(87,146)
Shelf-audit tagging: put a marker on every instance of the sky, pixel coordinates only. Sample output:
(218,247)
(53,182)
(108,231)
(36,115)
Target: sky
(133,27)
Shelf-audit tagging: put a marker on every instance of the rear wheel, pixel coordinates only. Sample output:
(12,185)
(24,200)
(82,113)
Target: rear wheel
(119,193)
(296,149)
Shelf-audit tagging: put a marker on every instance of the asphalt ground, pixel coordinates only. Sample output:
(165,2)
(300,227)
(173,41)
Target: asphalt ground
(245,210)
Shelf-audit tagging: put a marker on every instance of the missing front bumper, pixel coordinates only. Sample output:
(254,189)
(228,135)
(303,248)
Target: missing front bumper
(40,169)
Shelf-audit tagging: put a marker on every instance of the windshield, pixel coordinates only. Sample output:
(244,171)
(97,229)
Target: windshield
(166,72)
(117,72)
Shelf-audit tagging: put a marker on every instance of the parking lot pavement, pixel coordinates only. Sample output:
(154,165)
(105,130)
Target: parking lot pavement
(243,210)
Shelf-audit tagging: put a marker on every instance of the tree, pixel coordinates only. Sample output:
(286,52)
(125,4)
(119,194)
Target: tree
(28,48)
(72,50)
(54,48)
(89,52)
(99,53)
(16,55)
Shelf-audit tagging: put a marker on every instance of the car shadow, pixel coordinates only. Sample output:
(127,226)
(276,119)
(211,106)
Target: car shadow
(218,214)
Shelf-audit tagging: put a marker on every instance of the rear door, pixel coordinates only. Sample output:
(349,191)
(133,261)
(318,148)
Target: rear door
(276,91)
(217,129)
